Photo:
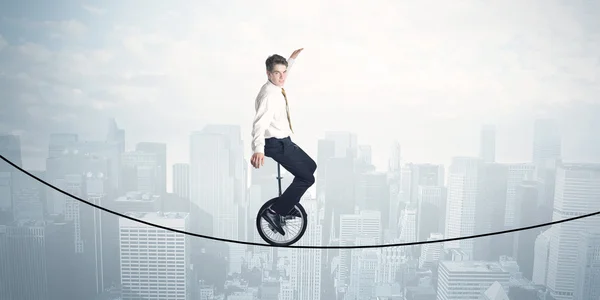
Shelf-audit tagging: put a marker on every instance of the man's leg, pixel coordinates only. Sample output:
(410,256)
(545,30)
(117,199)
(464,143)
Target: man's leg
(297,162)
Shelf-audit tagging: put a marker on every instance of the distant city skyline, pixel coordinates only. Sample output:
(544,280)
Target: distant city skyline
(380,161)
(480,195)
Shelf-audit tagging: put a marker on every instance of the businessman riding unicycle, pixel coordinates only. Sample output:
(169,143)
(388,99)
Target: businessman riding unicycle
(281,220)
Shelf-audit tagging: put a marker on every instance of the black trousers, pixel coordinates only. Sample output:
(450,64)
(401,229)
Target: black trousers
(296,161)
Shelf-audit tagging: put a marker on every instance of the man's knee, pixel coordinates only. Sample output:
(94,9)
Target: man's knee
(313,166)
(310,180)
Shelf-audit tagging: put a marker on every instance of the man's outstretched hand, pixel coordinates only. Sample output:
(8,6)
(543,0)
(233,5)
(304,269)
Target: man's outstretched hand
(257,160)
(295,53)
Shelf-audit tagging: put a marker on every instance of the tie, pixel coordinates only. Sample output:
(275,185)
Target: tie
(287,109)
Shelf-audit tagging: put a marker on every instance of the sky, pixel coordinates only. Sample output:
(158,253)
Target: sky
(428,74)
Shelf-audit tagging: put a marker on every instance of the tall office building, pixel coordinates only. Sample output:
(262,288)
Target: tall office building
(430,253)
(59,142)
(408,225)
(365,266)
(181,180)
(395,187)
(116,135)
(431,210)
(28,196)
(395,161)
(339,198)
(464,186)
(10,148)
(6,215)
(547,153)
(99,229)
(23,261)
(140,172)
(154,262)
(391,259)
(325,151)
(372,193)
(587,278)
(577,193)
(424,175)
(353,226)
(61,268)
(487,147)
(346,143)
(365,154)
(160,153)
(524,241)
(237,163)
(547,143)
(305,264)
(495,180)
(517,174)
(212,182)
(541,253)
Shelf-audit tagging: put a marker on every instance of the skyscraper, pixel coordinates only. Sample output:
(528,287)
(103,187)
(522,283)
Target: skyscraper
(305,269)
(10,148)
(154,262)
(181,180)
(160,153)
(547,143)
(577,193)
(212,182)
(464,185)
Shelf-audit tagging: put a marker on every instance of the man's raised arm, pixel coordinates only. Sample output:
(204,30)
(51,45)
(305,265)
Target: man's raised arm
(292,59)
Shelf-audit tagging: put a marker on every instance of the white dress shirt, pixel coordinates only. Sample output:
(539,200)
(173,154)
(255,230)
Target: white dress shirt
(271,115)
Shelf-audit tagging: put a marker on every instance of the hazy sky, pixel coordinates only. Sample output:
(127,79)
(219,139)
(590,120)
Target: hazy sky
(426,73)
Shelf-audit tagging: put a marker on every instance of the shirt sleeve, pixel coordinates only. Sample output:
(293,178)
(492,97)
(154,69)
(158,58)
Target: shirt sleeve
(262,120)
(290,62)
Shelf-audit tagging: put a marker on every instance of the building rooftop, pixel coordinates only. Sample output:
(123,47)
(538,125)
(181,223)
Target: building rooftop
(473,266)
(137,196)
(580,166)
(158,215)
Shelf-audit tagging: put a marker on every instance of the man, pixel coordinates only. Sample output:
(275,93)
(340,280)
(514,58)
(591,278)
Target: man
(271,133)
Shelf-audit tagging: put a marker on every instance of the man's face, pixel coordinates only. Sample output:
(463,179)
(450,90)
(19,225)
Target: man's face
(278,75)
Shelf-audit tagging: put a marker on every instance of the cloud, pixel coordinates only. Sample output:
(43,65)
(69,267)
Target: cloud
(61,29)
(401,63)
(3,42)
(67,28)
(94,9)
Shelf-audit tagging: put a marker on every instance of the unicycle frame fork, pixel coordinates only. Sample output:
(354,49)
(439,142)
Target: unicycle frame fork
(279,178)
(285,217)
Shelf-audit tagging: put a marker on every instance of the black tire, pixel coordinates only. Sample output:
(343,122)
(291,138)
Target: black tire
(298,207)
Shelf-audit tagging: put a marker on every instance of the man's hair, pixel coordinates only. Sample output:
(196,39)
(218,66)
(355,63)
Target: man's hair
(273,60)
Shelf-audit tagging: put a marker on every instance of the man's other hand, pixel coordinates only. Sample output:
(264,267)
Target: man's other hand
(257,160)
(296,52)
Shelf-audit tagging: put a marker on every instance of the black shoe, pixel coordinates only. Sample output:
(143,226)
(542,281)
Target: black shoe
(273,219)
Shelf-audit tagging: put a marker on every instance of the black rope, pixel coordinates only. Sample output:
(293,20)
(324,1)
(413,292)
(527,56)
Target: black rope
(292,246)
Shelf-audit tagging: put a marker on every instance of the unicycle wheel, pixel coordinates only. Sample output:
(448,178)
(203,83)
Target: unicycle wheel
(294,225)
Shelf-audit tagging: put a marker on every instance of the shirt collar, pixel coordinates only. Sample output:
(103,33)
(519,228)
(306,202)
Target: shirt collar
(273,85)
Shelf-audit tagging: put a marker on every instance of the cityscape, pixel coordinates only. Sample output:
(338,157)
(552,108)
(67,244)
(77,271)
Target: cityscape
(56,247)
(126,140)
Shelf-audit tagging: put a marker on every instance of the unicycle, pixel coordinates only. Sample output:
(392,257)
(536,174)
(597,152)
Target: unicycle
(293,224)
